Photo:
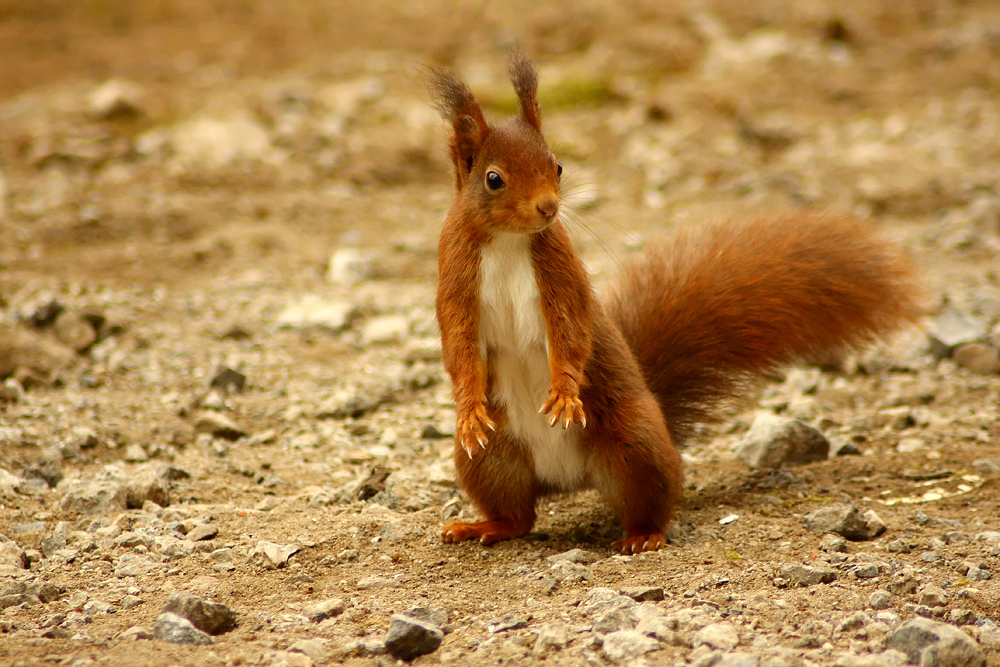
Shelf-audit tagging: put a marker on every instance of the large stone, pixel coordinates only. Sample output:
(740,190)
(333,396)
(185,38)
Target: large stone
(320,611)
(408,638)
(11,555)
(114,98)
(775,442)
(147,484)
(845,520)
(627,644)
(314,312)
(179,630)
(384,330)
(95,497)
(551,637)
(932,644)
(805,575)
(272,556)
(213,143)
(218,425)
(349,265)
(212,617)
(951,329)
(977,357)
(722,636)
(23,348)
(314,648)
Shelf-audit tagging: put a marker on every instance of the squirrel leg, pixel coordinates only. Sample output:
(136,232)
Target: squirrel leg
(500,481)
(640,476)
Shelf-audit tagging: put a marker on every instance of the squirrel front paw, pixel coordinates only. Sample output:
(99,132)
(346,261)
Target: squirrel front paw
(565,406)
(471,428)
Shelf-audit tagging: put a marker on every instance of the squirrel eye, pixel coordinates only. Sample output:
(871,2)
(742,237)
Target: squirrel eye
(494,181)
(559,169)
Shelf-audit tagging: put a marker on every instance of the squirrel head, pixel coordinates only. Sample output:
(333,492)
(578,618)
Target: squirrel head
(505,174)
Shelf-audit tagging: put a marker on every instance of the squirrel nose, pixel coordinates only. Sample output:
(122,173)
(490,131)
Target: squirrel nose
(548,207)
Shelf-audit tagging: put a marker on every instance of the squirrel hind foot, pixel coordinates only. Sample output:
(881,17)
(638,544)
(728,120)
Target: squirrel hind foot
(637,543)
(488,532)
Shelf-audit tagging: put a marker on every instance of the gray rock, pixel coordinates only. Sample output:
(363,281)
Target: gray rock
(314,648)
(627,644)
(228,381)
(114,98)
(348,266)
(135,453)
(408,638)
(95,497)
(738,660)
(172,548)
(211,617)
(508,622)
(375,581)
(952,328)
(904,582)
(889,658)
(880,600)
(133,565)
(272,556)
(11,555)
(218,142)
(644,593)
(866,571)
(986,467)
(313,312)
(775,442)
(962,616)
(663,629)
(578,556)
(218,425)
(932,644)
(179,630)
(845,520)
(147,484)
(805,575)
(722,636)
(437,616)
(385,330)
(979,358)
(551,637)
(135,633)
(833,543)
(855,621)
(23,348)
(205,531)
(615,620)
(320,611)
(932,596)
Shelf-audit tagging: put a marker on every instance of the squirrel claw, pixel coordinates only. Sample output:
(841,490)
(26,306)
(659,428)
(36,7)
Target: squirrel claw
(471,429)
(568,409)
(637,543)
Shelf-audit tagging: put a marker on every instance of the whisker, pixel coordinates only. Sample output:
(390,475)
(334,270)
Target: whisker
(572,217)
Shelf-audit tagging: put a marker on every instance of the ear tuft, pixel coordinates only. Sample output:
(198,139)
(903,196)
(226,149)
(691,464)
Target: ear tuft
(455,102)
(525,79)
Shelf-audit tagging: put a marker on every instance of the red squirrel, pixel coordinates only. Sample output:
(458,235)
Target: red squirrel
(556,392)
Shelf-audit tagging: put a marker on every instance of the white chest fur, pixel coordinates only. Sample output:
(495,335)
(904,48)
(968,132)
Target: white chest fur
(512,336)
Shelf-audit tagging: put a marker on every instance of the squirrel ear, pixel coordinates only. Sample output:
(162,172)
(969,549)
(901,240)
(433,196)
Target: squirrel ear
(455,102)
(522,74)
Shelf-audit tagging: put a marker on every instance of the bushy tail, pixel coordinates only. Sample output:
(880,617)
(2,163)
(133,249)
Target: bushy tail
(707,315)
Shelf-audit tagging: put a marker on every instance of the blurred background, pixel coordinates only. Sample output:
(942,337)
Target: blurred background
(155,139)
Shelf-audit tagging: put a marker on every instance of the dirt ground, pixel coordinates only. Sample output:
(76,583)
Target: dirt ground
(178,175)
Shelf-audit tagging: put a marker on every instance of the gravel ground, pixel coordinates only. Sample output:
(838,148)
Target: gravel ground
(225,430)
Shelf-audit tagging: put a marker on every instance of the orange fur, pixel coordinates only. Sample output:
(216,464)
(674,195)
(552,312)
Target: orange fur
(693,324)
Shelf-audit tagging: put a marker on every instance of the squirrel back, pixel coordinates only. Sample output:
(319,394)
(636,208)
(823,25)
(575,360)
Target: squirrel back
(707,315)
